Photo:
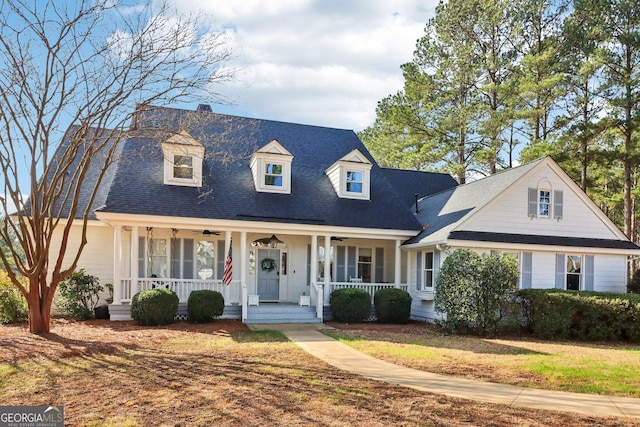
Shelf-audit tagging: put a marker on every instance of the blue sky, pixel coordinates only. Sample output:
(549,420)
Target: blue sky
(321,62)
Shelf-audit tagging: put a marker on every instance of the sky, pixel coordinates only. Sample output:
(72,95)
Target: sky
(319,62)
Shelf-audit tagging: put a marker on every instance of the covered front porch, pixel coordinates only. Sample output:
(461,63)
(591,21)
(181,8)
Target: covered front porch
(274,267)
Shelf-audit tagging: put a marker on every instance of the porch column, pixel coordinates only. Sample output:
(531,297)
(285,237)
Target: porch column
(117,258)
(227,245)
(398,266)
(327,267)
(243,258)
(135,236)
(313,263)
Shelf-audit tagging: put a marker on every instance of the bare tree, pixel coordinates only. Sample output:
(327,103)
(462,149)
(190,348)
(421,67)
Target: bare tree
(90,64)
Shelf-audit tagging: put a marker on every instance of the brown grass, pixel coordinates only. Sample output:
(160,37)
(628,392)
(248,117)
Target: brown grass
(116,373)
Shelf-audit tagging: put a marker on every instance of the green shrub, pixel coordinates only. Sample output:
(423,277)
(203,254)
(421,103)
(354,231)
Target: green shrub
(591,316)
(392,305)
(476,291)
(350,305)
(13,307)
(154,307)
(633,287)
(204,306)
(79,295)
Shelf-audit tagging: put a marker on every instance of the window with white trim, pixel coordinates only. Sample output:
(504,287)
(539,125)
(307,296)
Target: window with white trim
(271,168)
(273,175)
(544,203)
(574,272)
(428,271)
(365,260)
(354,182)
(182,167)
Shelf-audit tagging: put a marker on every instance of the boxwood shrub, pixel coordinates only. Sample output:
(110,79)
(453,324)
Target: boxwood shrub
(154,307)
(204,305)
(592,316)
(393,305)
(13,306)
(350,305)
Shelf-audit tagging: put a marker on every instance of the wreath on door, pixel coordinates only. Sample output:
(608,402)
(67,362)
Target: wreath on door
(268,264)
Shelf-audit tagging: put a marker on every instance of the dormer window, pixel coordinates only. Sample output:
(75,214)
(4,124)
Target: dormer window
(183,157)
(182,167)
(354,182)
(350,176)
(273,175)
(271,168)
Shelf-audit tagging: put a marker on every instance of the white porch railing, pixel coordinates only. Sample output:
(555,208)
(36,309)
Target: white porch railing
(317,295)
(183,287)
(371,288)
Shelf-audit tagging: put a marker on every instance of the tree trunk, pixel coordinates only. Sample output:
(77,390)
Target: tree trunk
(39,315)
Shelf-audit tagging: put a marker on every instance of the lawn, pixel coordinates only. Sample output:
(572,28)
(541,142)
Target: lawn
(568,366)
(116,373)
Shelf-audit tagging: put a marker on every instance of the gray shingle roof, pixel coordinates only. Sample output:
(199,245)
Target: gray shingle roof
(228,190)
(530,239)
(440,213)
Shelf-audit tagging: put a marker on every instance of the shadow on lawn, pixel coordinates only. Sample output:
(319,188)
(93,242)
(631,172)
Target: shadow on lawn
(436,340)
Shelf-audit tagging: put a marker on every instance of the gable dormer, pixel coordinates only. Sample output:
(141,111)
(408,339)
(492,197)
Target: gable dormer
(350,176)
(271,168)
(183,157)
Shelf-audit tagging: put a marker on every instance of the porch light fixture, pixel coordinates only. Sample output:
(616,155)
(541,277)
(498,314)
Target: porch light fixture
(272,242)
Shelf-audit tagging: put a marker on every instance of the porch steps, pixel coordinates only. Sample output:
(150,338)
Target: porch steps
(281,313)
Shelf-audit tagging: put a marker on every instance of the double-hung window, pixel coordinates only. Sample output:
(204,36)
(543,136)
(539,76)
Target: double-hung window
(428,270)
(273,175)
(182,167)
(544,203)
(354,182)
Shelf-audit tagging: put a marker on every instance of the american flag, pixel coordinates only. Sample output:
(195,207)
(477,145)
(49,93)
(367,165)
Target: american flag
(228,269)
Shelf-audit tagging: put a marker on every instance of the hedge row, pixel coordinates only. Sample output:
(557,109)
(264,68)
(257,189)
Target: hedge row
(592,316)
(351,305)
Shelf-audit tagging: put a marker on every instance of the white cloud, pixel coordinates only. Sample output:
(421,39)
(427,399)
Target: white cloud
(324,62)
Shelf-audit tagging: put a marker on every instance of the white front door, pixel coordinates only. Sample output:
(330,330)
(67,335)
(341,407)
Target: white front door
(269,274)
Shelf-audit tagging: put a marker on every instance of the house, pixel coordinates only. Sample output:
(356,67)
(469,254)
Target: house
(304,210)
(535,212)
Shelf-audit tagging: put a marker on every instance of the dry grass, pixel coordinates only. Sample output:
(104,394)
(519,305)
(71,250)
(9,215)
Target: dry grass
(219,374)
(609,369)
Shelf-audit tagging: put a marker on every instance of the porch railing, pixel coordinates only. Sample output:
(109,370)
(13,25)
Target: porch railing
(318,293)
(183,287)
(371,288)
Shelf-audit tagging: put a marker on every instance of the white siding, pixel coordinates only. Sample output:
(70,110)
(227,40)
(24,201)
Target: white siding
(610,273)
(97,255)
(508,214)
(543,270)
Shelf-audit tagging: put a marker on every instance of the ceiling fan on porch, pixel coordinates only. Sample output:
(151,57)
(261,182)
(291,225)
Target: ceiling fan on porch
(208,232)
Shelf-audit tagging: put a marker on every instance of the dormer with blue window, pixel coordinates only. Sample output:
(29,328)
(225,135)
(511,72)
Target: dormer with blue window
(271,168)
(183,157)
(350,176)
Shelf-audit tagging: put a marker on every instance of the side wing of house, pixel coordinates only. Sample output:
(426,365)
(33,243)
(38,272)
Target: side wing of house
(560,237)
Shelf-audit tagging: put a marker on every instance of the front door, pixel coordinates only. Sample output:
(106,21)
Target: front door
(269,274)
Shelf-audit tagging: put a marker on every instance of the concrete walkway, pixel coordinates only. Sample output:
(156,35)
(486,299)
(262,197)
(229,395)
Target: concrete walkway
(309,337)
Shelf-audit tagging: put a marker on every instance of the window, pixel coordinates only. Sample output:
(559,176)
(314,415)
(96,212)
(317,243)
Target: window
(354,182)
(273,175)
(428,270)
(574,272)
(183,167)
(205,259)
(364,264)
(157,258)
(321,261)
(351,176)
(544,203)
(183,159)
(271,168)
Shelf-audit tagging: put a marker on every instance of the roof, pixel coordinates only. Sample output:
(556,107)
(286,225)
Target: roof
(439,213)
(408,183)
(530,239)
(228,190)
